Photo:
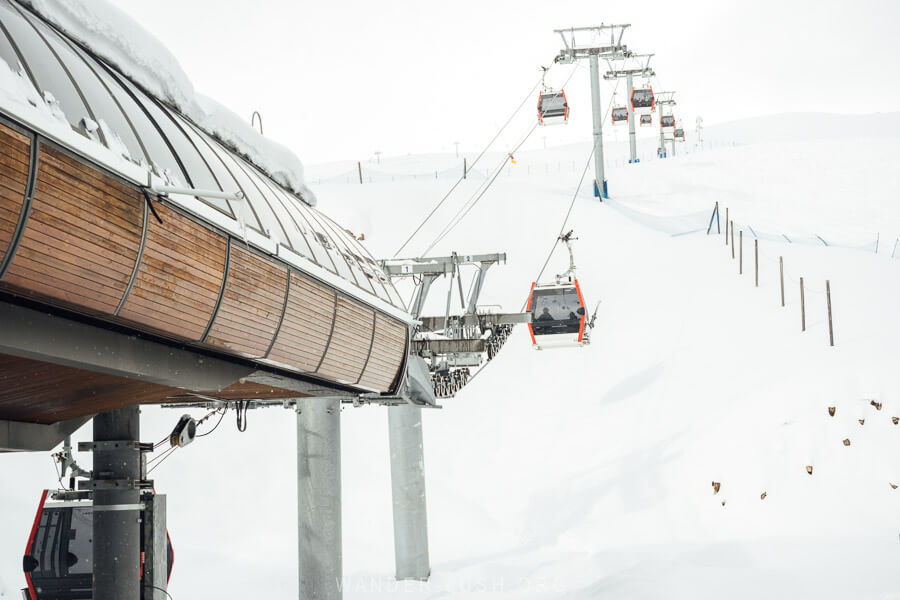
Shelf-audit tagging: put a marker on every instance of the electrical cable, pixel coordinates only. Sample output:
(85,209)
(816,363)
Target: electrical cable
(221,418)
(163,591)
(572,203)
(241,414)
(162,458)
(59,475)
(478,158)
(470,204)
(587,166)
(469,167)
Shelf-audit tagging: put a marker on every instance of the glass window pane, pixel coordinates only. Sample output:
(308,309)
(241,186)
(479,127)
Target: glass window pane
(324,236)
(197,170)
(8,54)
(103,107)
(359,260)
(160,154)
(47,71)
(279,226)
(201,141)
(296,229)
(254,209)
(318,240)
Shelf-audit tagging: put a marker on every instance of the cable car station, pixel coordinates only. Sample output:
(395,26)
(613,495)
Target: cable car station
(145,260)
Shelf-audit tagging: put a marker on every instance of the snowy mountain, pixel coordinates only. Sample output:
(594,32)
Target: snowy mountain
(585,473)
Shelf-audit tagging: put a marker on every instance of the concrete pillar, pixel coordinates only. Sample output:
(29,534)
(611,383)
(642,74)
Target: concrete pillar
(116,547)
(632,135)
(408,492)
(319,498)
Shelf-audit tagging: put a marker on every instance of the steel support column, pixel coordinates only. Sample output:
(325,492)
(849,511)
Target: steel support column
(662,135)
(408,492)
(599,177)
(116,543)
(319,498)
(632,136)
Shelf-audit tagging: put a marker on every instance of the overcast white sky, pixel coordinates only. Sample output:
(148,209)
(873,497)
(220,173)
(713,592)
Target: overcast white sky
(342,79)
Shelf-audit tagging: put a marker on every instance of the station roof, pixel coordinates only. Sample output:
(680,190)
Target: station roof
(102,106)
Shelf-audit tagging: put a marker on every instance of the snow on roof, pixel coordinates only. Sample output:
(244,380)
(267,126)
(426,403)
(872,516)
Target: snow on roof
(115,37)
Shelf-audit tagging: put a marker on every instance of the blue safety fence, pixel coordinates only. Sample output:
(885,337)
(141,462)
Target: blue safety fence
(697,222)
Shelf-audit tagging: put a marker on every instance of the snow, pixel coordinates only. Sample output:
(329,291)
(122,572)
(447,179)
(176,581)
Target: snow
(114,36)
(582,473)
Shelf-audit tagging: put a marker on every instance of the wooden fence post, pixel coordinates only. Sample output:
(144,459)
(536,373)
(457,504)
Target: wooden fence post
(828,297)
(802,308)
(465,167)
(732,240)
(741,253)
(359,167)
(756,259)
(781,276)
(726,225)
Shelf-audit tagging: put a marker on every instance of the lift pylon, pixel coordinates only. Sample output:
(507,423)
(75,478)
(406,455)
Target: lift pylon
(632,64)
(604,41)
(665,101)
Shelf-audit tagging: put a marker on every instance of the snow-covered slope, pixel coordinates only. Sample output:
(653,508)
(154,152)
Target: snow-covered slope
(586,473)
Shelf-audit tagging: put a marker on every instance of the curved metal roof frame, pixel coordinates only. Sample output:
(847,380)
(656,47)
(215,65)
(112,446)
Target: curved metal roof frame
(156,143)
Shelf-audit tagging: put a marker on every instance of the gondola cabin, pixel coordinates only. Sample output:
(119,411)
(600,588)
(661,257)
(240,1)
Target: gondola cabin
(58,557)
(642,100)
(553,109)
(559,317)
(679,134)
(619,115)
(667,123)
(646,120)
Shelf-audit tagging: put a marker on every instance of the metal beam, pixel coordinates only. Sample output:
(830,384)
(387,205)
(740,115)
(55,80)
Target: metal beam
(486,321)
(38,335)
(423,347)
(436,265)
(34,437)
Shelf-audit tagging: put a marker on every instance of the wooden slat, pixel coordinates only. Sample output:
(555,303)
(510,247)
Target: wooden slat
(78,247)
(177,288)
(303,336)
(251,305)
(349,347)
(40,392)
(387,354)
(15,156)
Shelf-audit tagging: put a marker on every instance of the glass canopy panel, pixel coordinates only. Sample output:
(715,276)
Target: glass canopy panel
(296,229)
(228,181)
(322,236)
(8,53)
(44,67)
(360,259)
(98,96)
(365,278)
(160,153)
(253,198)
(320,253)
(279,228)
(198,170)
